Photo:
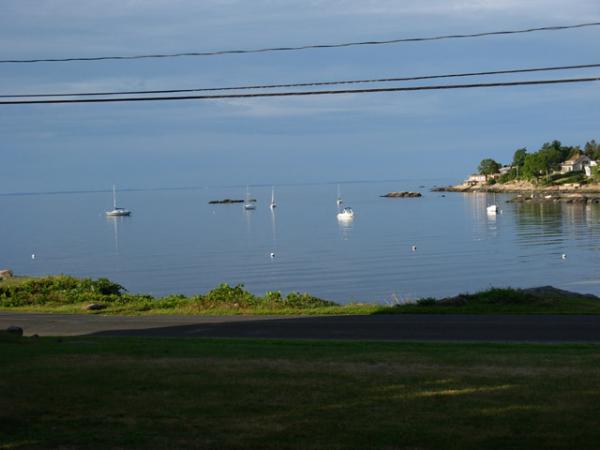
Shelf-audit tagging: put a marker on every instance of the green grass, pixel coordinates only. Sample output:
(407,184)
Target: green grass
(65,294)
(98,393)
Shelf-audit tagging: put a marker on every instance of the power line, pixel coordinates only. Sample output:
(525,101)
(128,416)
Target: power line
(306,93)
(308,46)
(316,83)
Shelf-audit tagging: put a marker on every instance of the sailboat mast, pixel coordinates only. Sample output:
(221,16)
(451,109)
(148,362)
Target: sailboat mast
(114,197)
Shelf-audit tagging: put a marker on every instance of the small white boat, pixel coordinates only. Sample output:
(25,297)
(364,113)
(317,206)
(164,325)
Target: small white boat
(273,205)
(345,214)
(249,204)
(116,211)
(493,209)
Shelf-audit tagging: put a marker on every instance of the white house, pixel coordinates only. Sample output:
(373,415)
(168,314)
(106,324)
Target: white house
(588,168)
(476,179)
(574,164)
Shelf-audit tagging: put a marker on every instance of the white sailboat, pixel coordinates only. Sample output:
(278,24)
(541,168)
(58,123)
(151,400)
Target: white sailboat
(273,205)
(346,214)
(339,200)
(116,211)
(493,209)
(249,204)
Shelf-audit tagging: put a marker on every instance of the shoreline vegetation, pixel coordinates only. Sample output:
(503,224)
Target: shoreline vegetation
(67,294)
(554,169)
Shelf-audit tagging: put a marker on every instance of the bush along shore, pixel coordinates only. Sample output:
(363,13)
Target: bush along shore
(66,294)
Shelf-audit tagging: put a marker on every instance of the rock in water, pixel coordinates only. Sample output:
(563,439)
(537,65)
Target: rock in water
(402,194)
(225,201)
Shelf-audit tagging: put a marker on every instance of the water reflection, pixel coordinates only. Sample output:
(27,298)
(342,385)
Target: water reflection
(345,226)
(539,224)
(555,222)
(248,214)
(115,226)
(485,224)
(273,230)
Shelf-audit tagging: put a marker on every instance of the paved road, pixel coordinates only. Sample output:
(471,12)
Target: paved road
(501,328)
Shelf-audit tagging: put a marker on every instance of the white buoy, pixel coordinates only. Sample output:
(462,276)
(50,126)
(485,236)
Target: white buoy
(414,248)
(272,255)
(563,256)
(33,256)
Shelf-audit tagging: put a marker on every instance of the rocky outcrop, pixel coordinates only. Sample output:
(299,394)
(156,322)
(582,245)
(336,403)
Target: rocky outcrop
(555,198)
(546,293)
(14,331)
(225,201)
(523,187)
(94,307)
(6,273)
(552,292)
(402,195)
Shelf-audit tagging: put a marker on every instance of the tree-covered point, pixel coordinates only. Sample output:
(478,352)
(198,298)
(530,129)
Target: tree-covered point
(541,163)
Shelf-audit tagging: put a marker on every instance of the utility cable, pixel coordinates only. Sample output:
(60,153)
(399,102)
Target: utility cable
(305,93)
(316,83)
(306,47)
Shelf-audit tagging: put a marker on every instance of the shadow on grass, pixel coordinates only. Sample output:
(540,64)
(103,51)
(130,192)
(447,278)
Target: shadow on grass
(433,327)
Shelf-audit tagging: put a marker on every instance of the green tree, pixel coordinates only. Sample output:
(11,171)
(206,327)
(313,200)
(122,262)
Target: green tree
(592,149)
(533,166)
(488,166)
(508,176)
(595,174)
(519,157)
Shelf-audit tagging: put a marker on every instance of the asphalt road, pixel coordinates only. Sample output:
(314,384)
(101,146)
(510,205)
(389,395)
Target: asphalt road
(409,327)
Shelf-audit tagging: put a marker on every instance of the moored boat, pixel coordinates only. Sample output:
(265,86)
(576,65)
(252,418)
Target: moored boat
(117,211)
(345,214)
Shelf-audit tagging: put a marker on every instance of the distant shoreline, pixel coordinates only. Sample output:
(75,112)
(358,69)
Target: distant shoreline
(521,188)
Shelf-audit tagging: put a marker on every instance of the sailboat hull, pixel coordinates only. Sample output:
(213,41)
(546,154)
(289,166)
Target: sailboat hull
(118,213)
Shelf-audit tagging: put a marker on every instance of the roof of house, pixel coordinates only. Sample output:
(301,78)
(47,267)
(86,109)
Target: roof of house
(575,159)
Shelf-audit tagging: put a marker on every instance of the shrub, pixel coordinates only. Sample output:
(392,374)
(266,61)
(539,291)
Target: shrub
(225,295)
(428,301)
(304,300)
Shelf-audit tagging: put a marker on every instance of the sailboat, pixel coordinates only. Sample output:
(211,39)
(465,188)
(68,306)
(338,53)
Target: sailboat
(249,204)
(273,204)
(116,211)
(493,208)
(346,214)
(339,200)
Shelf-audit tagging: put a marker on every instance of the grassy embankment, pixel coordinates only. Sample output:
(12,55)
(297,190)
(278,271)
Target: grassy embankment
(100,393)
(64,294)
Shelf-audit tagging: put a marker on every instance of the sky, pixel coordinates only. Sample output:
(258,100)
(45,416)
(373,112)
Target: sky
(410,135)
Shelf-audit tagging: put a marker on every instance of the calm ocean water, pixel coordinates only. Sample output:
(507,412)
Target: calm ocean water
(175,242)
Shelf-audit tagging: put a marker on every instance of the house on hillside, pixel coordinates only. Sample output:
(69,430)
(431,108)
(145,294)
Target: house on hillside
(575,164)
(476,179)
(588,168)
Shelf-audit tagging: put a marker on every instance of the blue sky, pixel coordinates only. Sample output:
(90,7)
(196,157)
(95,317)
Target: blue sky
(270,141)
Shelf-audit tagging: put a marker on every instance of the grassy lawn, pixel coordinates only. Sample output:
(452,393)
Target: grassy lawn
(193,393)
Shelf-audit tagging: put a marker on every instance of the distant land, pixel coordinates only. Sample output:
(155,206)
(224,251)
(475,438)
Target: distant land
(553,169)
